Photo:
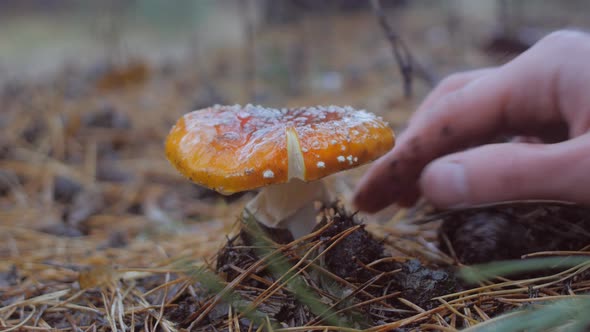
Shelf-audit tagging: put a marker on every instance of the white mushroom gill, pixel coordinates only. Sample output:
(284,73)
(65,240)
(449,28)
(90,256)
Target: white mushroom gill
(290,205)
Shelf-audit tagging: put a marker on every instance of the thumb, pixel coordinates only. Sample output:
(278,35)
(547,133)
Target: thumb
(510,171)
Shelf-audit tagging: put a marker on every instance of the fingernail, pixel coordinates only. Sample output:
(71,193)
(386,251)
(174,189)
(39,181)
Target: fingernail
(445,184)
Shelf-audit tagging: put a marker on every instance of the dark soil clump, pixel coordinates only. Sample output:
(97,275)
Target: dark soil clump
(235,254)
(239,251)
(347,251)
(509,231)
(350,255)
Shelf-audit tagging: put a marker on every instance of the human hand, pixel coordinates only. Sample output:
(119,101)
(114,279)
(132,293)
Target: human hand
(545,92)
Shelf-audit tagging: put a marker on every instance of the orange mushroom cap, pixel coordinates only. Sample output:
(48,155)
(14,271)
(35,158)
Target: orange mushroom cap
(236,148)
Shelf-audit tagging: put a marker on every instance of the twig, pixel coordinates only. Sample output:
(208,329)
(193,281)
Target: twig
(249,49)
(408,67)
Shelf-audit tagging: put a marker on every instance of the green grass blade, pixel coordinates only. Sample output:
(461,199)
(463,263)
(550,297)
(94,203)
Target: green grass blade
(572,313)
(477,273)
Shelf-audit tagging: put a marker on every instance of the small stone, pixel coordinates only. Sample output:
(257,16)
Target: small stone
(107,116)
(65,189)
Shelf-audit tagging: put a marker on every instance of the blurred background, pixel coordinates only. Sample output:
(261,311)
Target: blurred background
(314,44)
(89,90)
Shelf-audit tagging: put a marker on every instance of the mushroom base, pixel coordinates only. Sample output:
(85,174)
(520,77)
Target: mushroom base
(289,205)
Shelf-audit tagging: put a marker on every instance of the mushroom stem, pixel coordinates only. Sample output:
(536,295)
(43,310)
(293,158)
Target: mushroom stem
(289,205)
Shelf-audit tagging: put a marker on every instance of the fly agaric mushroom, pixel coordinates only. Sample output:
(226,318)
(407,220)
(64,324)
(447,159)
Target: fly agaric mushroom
(233,148)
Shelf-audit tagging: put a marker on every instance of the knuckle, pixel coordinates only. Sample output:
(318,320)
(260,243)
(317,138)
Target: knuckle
(453,80)
(565,39)
(452,100)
